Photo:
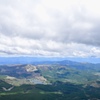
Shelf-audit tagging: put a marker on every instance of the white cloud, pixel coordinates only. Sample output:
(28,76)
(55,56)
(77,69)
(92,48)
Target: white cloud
(50,27)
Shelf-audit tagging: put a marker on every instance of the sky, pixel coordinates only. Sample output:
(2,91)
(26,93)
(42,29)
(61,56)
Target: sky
(55,28)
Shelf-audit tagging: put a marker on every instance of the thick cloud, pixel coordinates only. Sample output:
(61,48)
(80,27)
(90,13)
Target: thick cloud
(50,27)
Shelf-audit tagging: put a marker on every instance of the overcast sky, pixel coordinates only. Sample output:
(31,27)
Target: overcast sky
(61,28)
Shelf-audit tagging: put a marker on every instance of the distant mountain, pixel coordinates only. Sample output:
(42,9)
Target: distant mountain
(31,60)
(27,60)
(86,59)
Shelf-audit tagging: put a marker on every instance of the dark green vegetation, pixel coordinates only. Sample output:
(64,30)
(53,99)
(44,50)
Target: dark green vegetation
(56,91)
(63,80)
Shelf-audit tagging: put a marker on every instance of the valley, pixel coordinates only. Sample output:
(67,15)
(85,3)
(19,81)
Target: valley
(56,80)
